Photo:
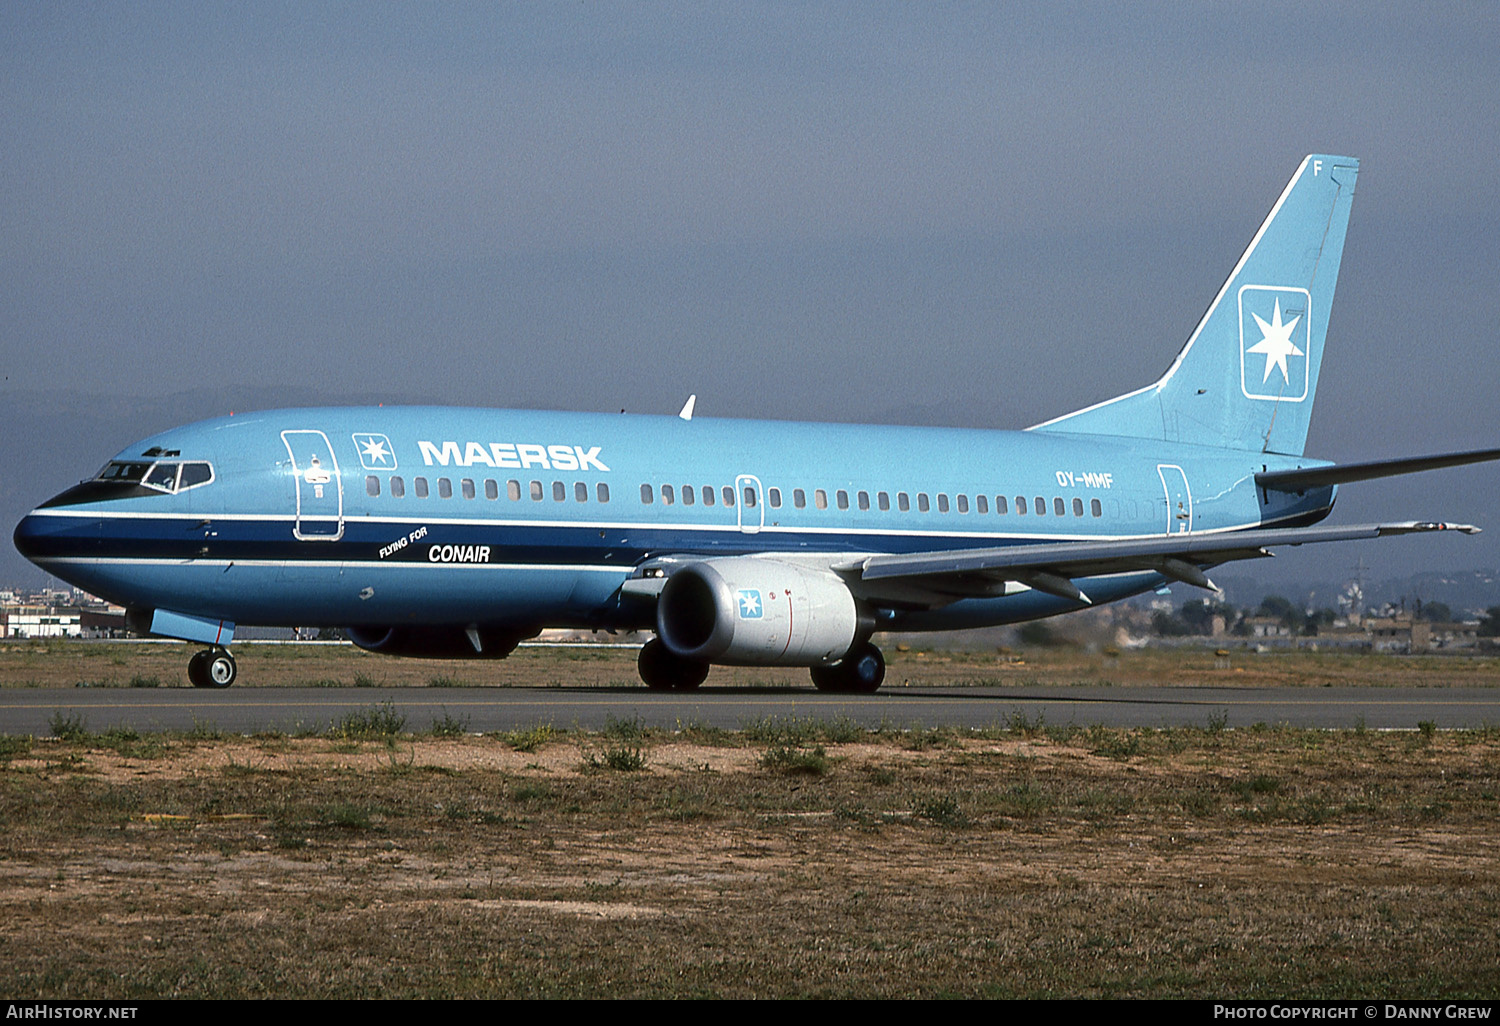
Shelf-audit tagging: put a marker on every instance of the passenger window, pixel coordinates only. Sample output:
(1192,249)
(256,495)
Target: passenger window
(580,492)
(491,489)
(467,486)
(963,504)
(372,485)
(942,502)
(774,495)
(708,495)
(1021,505)
(749,497)
(799,498)
(820,498)
(903,502)
(922,504)
(398,488)
(981,504)
(728,496)
(1040,506)
(421,484)
(863,498)
(602,492)
(445,488)
(1095,508)
(1078,507)
(883,500)
(1057,506)
(536,491)
(1000,505)
(646,497)
(513,490)
(666,495)
(688,495)
(559,491)
(843,499)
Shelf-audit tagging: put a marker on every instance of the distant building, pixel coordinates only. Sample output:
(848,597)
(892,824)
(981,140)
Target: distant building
(37,621)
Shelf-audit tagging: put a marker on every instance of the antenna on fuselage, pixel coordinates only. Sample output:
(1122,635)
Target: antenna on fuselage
(687,407)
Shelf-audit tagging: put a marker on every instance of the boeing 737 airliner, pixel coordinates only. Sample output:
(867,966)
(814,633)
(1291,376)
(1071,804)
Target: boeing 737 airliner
(456,533)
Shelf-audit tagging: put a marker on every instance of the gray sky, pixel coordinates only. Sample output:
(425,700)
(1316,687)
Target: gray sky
(980,215)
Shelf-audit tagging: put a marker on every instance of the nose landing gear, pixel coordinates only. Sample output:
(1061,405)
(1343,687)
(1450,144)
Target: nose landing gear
(212,668)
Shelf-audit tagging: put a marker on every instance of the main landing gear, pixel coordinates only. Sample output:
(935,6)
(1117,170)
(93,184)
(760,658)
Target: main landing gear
(212,668)
(664,671)
(858,673)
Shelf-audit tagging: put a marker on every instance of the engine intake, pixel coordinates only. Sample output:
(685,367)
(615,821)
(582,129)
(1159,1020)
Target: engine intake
(756,612)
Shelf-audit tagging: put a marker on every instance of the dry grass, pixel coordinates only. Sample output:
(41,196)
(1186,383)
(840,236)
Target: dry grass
(1252,863)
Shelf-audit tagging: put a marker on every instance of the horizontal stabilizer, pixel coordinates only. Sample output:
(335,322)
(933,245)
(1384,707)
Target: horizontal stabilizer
(1304,478)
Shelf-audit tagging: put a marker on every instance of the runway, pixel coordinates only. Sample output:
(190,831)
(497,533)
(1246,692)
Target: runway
(252,710)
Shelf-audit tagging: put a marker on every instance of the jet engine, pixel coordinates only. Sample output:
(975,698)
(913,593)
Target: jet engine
(757,612)
(442,642)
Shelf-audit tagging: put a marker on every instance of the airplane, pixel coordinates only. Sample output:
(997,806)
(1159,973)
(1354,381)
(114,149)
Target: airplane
(457,533)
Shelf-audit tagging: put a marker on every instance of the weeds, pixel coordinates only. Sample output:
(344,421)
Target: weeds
(944,811)
(14,747)
(68,726)
(381,721)
(449,726)
(623,758)
(625,730)
(806,762)
(202,731)
(791,730)
(528,739)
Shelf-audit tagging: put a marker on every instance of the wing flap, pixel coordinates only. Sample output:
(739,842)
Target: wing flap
(1051,567)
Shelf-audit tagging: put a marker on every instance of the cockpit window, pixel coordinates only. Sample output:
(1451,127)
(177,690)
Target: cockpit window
(119,471)
(194,474)
(163,476)
(166,476)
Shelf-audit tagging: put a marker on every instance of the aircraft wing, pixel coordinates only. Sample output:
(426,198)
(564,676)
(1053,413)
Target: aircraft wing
(1053,566)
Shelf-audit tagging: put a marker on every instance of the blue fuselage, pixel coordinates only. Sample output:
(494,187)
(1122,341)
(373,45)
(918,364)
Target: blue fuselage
(429,515)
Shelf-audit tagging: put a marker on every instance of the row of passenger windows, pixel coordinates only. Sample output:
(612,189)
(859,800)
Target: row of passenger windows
(690,495)
(962,503)
(466,488)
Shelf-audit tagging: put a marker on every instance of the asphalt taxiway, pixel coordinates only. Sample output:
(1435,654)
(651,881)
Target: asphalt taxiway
(248,710)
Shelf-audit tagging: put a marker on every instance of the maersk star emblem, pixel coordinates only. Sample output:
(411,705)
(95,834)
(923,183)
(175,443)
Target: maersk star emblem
(375,452)
(1274,342)
(750,607)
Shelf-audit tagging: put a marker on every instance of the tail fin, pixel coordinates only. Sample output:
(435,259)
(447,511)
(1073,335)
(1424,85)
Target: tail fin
(1248,373)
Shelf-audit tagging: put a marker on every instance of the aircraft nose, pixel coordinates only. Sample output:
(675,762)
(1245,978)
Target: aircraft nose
(38,536)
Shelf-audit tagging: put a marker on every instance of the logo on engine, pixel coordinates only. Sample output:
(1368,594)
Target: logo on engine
(750,607)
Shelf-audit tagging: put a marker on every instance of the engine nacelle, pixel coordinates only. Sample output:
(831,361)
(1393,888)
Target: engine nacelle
(756,612)
(441,642)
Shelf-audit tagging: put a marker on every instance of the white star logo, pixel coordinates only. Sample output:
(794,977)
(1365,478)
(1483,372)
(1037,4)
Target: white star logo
(375,451)
(749,604)
(1276,343)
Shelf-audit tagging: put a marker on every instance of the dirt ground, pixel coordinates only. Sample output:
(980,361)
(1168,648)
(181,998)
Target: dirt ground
(794,862)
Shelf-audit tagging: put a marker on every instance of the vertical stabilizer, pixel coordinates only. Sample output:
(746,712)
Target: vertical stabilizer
(1248,373)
